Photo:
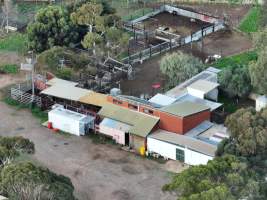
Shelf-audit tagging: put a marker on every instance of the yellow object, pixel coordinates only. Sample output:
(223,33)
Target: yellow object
(142,151)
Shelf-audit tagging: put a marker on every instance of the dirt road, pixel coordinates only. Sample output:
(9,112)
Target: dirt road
(98,172)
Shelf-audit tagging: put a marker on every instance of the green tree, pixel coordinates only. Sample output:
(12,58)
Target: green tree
(258,72)
(248,130)
(52,27)
(26,181)
(235,81)
(260,39)
(179,67)
(222,178)
(102,27)
(89,14)
(117,40)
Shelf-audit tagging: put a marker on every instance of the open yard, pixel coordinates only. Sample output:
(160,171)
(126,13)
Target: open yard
(224,43)
(234,13)
(97,171)
(177,24)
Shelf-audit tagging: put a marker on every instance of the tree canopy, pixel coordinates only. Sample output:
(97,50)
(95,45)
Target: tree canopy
(258,72)
(222,178)
(235,81)
(248,130)
(179,67)
(26,181)
(103,28)
(52,27)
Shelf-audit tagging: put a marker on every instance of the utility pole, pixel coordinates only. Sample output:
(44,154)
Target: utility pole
(32,60)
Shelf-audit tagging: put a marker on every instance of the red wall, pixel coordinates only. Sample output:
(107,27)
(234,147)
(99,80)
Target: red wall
(194,120)
(171,122)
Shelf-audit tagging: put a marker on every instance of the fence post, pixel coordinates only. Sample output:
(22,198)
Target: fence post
(213,28)
(160,49)
(150,51)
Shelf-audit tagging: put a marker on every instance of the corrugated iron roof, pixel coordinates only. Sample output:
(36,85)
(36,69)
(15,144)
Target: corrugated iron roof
(162,100)
(66,91)
(203,85)
(141,123)
(185,108)
(94,98)
(212,105)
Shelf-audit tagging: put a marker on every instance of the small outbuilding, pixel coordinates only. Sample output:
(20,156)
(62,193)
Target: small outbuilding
(127,127)
(69,121)
(180,147)
(204,89)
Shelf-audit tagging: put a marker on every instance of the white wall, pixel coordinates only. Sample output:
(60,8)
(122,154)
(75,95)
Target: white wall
(168,150)
(64,123)
(196,93)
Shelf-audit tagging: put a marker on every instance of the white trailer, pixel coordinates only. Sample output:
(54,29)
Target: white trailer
(69,121)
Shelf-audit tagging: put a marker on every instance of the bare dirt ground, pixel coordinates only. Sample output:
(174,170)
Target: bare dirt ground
(97,171)
(234,13)
(177,24)
(224,43)
(10,58)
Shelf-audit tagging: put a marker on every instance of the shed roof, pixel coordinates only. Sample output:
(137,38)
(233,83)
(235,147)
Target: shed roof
(66,91)
(162,100)
(57,81)
(69,114)
(204,86)
(187,97)
(184,141)
(115,124)
(94,98)
(141,123)
(185,108)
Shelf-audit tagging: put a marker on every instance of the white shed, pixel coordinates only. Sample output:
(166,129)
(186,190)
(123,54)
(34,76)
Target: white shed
(261,102)
(179,147)
(204,89)
(69,121)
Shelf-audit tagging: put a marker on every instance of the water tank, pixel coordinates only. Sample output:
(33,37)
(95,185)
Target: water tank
(115,91)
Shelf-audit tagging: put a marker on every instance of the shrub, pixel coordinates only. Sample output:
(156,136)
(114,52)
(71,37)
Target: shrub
(52,57)
(14,42)
(9,69)
(64,73)
(17,143)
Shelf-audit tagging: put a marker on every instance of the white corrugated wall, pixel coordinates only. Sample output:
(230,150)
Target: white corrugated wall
(168,150)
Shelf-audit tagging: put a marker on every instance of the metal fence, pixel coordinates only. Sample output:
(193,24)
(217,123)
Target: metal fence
(19,94)
(166,46)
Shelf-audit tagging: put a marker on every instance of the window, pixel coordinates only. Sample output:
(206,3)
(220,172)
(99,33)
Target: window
(115,101)
(180,155)
(147,111)
(134,107)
